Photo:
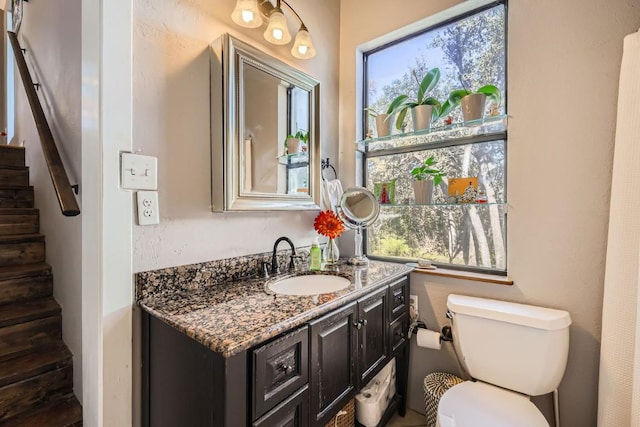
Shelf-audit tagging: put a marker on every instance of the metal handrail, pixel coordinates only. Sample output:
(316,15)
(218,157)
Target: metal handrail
(64,191)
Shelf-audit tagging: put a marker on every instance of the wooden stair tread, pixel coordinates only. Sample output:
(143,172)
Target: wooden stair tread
(16,187)
(34,363)
(26,311)
(19,211)
(27,270)
(12,147)
(65,412)
(21,238)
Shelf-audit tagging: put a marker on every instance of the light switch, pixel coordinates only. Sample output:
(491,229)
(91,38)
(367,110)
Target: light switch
(139,172)
(148,209)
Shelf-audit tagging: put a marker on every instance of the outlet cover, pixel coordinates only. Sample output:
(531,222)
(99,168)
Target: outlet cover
(148,209)
(413,308)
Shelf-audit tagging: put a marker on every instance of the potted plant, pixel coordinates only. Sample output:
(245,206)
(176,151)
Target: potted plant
(425,178)
(292,143)
(473,103)
(425,109)
(383,120)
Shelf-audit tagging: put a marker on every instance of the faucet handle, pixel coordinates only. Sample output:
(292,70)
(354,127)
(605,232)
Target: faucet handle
(264,268)
(292,262)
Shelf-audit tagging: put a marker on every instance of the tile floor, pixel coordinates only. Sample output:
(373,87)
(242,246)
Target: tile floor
(411,419)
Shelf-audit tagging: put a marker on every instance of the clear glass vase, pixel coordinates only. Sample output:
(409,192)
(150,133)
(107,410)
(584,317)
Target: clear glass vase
(331,253)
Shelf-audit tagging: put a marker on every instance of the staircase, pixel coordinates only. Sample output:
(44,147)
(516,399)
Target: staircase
(36,368)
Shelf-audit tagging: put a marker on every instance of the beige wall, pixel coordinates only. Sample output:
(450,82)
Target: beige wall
(564,59)
(50,32)
(171,121)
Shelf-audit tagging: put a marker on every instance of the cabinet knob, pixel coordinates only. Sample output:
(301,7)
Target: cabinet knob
(400,334)
(399,297)
(359,324)
(287,369)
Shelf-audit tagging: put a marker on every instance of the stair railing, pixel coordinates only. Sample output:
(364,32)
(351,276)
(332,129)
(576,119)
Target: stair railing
(64,190)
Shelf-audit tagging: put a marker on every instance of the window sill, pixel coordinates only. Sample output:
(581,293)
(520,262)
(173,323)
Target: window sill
(467,275)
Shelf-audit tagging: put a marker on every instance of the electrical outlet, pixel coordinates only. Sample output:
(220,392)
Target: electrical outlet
(148,209)
(413,308)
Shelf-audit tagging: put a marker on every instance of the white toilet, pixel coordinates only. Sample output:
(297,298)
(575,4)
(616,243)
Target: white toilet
(512,351)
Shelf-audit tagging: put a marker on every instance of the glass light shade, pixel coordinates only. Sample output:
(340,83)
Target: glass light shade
(277,31)
(246,14)
(303,45)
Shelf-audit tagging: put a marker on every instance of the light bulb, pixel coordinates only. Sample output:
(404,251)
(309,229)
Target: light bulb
(246,14)
(303,45)
(277,31)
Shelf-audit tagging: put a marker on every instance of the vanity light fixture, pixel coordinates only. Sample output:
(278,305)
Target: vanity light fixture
(250,13)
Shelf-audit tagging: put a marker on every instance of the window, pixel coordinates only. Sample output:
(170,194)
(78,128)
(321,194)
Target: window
(463,224)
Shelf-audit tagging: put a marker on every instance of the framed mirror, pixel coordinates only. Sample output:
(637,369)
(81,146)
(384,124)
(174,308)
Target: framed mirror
(265,136)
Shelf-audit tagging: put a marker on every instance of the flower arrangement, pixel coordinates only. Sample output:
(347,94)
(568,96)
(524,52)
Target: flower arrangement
(328,224)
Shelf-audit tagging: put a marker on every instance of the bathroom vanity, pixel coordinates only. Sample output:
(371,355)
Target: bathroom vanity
(235,354)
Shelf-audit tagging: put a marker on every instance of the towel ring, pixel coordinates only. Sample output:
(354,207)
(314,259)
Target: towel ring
(325,164)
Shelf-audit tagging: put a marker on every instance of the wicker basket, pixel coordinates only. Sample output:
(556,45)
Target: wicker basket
(435,385)
(344,420)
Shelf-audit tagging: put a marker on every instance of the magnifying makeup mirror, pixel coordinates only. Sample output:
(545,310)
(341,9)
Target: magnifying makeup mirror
(358,209)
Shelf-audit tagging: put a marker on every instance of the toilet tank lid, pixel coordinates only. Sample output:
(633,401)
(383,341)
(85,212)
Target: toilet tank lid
(510,312)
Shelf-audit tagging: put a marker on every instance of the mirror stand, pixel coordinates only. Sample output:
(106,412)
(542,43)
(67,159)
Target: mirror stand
(359,258)
(358,209)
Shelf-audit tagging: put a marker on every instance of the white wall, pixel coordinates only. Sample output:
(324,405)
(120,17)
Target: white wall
(171,121)
(563,65)
(51,34)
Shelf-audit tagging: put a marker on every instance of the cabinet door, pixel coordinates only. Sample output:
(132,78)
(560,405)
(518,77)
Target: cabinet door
(333,350)
(372,334)
(293,412)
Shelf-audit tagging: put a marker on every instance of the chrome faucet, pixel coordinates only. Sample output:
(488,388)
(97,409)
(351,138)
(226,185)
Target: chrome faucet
(274,258)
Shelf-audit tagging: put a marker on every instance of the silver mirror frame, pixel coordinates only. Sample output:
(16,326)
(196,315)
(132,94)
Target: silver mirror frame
(358,223)
(228,55)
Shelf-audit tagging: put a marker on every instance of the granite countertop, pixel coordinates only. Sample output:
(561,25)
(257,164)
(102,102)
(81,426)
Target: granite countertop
(234,316)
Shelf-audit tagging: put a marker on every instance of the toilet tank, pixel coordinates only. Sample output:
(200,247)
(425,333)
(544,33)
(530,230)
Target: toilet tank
(516,346)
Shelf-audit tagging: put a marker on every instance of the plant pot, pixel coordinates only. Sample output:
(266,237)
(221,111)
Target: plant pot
(423,192)
(293,145)
(383,125)
(472,106)
(422,116)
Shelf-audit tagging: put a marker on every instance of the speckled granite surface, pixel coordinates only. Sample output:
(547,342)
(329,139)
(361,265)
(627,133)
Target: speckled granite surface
(232,315)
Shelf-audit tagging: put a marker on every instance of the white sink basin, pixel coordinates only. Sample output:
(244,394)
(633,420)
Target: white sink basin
(310,284)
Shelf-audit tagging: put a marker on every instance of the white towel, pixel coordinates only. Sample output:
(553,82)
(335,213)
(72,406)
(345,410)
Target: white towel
(619,390)
(331,194)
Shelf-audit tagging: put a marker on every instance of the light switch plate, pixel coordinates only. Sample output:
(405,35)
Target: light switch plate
(139,172)
(148,209)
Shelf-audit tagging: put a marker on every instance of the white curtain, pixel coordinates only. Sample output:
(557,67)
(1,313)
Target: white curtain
(619,388)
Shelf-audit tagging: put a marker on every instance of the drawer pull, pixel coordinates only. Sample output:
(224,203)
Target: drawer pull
(287,369)
(399,297)
(400,334)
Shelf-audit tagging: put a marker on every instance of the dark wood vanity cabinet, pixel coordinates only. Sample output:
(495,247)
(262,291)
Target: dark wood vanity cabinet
(301,378)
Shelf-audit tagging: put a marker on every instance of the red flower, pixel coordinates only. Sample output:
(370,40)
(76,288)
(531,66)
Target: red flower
(328,224)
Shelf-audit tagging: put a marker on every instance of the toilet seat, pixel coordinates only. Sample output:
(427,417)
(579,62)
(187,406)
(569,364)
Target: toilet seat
(477,404)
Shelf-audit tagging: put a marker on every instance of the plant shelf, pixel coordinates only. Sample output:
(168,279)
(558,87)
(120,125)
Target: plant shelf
(438,134)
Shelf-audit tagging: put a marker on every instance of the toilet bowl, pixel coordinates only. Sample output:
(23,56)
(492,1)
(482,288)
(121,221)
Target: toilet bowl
(512,351)
(479,404)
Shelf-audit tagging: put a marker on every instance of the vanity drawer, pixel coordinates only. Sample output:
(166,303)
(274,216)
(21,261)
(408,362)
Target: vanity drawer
(398,333)
(398,298)
(280,368)
(293,412)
